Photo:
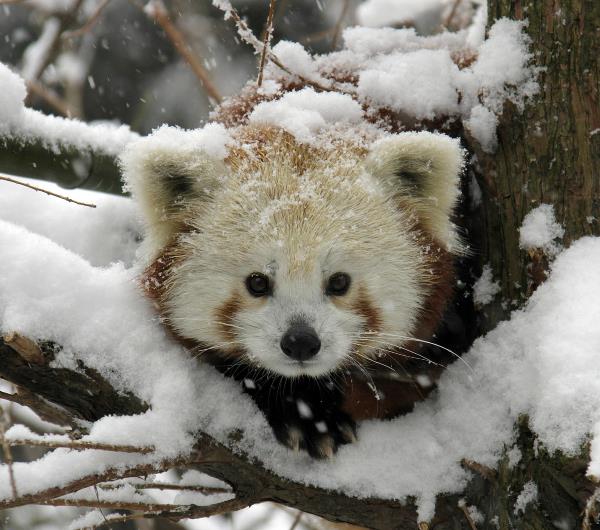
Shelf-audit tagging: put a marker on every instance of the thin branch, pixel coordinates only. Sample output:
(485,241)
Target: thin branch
(247,36)
(25,347)
(10,397)
(89,24)
(87,481)
(266,41)
(590,513)
(113,505)
(178,487)
(296,521)
(465,510)
(79,445)
(158,12)
(63,197)
(50,97)
(54,44)
(452,13)
(338,26)
(486,472)
(192,512)
(7,454)
(44,409)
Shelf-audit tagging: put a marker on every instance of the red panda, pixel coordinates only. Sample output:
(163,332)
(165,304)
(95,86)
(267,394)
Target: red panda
(294,265)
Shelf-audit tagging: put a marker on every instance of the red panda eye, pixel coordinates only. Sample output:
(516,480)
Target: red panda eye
(338,284)
(257,284)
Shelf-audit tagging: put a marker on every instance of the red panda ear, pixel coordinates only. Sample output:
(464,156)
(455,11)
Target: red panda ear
(168,183)
(425,167)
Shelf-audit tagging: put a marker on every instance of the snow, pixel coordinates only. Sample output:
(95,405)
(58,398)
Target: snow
(485,288)
(51,6)
(401,70)
(28,125)
(514,456)
(296,58)
(306,112)
(12,95)
(482,124)
(540,230)
(213,139)
(426,15)
(36,53)
(103,235)
(528,494)
(519,368)
(416,76)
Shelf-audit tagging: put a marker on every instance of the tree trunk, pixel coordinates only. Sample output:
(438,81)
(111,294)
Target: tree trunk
(550,153)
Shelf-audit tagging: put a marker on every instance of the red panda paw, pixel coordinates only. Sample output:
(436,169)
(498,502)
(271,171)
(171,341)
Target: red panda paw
(321,438)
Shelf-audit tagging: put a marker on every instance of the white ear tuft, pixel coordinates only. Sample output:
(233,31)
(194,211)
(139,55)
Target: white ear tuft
(426,167)
(167,180)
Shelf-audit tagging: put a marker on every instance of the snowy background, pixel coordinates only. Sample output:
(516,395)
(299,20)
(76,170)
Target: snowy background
(124,74)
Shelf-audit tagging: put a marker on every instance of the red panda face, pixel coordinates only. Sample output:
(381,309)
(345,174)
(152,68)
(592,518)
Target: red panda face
(300,264)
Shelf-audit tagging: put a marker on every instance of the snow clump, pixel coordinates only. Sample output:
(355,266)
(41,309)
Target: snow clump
(540,230)
(485,288)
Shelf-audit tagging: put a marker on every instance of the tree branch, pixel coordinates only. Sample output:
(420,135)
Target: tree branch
(95,170)
(47,192)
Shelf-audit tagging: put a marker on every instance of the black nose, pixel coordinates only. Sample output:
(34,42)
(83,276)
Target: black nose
(300,342)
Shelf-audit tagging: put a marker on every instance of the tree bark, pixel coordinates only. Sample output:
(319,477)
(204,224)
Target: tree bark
(550,153)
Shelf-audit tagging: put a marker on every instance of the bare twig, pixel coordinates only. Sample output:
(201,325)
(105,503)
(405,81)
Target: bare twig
(89,24)
(25,347)
(7,454)
(112,505)
(266,41)
(158,12)
(296,521)
(178,487)
(188,512)
(590,513)
(98,499)
(10,397)
(247,36)
(465,510)
(53,45)
(486,472)
(44,409)
(63,197)
(450,16)
(87,481)
(50,97)
(79,445)
(338,26)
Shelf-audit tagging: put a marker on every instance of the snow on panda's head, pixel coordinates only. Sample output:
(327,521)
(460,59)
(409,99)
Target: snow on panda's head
(297,260)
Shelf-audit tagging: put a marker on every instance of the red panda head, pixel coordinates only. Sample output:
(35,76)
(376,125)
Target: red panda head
(296,259)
